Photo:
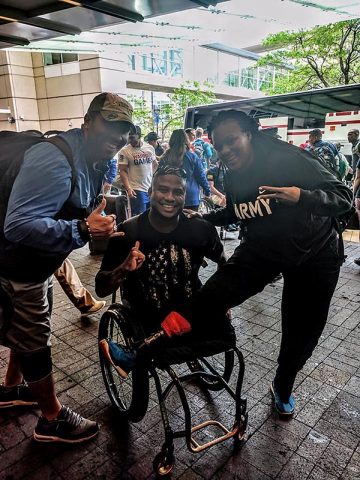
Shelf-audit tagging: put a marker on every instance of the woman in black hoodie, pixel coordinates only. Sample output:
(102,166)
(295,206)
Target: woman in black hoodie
(286,202)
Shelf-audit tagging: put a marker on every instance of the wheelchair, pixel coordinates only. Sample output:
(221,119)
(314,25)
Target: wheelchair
(204,370)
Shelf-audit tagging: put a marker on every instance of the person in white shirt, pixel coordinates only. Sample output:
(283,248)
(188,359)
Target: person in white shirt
(137,162)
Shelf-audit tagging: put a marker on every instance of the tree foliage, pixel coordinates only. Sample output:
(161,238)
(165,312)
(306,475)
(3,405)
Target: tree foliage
(189,94)
(142,114)
(324,56)
(171,114)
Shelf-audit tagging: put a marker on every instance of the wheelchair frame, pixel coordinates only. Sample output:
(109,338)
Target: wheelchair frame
(164,461)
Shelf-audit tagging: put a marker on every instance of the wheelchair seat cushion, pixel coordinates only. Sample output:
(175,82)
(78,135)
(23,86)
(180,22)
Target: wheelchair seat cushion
(189,347)
(217,339)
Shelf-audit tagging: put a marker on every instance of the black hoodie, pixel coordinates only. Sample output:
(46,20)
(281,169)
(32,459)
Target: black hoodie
(283,232)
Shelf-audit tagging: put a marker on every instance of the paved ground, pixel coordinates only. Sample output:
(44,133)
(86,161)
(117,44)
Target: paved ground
(322,442)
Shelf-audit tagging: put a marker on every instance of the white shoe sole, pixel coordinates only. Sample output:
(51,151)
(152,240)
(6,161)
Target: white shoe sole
(51,439)
(17,403)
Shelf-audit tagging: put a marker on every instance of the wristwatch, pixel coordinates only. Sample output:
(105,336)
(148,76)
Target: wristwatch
(84,230)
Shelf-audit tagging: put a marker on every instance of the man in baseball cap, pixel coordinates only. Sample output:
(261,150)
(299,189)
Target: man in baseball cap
(112,108)
(152,139)
(107,125)
(51,211)
(137,162)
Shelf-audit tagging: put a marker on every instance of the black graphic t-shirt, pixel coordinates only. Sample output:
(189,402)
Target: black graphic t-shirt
(169,276)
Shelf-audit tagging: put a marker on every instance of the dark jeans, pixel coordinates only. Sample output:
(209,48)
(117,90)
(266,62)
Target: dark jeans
(140,203)
(177,349)
(307,292)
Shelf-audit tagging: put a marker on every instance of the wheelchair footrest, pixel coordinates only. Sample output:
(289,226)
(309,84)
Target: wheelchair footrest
(195,447)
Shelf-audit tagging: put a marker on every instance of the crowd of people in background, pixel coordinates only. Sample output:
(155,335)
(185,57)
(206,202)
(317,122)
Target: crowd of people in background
(192,150)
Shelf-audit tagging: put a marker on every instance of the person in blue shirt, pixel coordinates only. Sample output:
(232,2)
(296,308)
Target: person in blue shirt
(179,155)
(110,175)
(45,219)
(203,149)
(315,140)
(316,144)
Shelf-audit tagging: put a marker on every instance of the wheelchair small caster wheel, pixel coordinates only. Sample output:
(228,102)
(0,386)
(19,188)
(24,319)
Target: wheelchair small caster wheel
(163,463)
(241,435)
(241,429)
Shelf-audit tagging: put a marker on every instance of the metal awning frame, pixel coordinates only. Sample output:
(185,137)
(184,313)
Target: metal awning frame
(10,14)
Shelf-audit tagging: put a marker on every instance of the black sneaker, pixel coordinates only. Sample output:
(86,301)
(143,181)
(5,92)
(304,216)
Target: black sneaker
(17,396)
(68,427)
(357,261)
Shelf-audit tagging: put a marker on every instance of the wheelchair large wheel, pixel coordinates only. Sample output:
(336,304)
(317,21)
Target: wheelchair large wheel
(129,396)
(223,363)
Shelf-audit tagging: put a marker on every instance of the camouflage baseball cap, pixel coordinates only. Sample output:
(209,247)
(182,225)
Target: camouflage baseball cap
(112,108)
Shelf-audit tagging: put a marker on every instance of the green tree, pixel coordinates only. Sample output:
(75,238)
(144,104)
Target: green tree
(324,56)
(142,115)
(189,94)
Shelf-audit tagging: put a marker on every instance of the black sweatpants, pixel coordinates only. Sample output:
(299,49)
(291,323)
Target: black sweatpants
(307,292)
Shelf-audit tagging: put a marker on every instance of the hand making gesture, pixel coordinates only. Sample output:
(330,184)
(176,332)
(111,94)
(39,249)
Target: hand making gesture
(280,194)
(134,260)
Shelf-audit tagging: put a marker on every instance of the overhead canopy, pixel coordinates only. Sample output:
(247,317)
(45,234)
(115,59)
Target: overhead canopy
(230,27)
(26,21)
(310,106)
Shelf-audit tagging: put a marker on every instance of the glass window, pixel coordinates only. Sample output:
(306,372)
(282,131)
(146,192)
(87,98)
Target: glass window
(176,63)
(132,62)
(56,58)
(69,57)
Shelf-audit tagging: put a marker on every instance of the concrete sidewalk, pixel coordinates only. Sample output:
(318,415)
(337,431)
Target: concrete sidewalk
(322,442)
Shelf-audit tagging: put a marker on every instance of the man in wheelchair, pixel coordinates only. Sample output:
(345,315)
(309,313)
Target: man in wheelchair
(156,265)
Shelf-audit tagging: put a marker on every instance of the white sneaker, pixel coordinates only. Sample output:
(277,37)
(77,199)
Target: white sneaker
(98,305)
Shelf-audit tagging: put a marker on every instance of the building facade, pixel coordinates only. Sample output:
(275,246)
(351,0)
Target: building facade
(51,90)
